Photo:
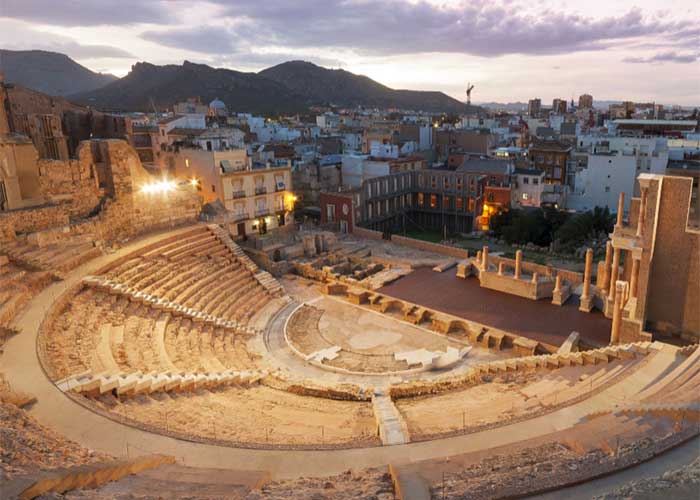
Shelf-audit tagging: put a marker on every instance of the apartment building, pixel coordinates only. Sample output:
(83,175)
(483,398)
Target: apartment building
(439,200)
(257,196)
(552,157)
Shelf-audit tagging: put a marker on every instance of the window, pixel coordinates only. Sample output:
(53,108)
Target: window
(607,189)
(420,199)
(446,201)
(213,188)
(458,203)
(535,181)
(471,204)
(459,183)
(433,201)
(433,182)
(330,213)
(446,183)
(525,196)
(526,180)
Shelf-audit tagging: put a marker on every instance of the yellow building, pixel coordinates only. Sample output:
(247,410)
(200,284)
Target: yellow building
(258,197)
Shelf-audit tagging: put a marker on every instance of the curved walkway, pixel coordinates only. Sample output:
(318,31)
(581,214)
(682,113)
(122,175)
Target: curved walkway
(76,422)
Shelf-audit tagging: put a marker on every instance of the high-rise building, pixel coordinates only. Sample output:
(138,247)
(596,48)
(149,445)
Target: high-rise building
(559,106)
(534,106)
(585,101)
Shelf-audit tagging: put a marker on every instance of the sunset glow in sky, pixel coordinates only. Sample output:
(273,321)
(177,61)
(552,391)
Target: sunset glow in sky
(637,50)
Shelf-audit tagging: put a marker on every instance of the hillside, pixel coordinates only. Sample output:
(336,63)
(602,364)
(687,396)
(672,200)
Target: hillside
(336,86)
(166,85)
(288,87)
(49,72)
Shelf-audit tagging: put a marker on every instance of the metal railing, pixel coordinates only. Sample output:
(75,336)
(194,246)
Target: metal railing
(239,194)
(262,211)
(260,190)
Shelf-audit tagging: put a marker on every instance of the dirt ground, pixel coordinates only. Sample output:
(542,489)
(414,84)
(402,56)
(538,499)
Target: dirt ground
(258,415)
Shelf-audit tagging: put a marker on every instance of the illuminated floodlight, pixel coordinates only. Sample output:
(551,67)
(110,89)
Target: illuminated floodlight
(163,186)
(194,182)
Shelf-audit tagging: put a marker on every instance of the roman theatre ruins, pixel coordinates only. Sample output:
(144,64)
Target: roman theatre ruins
(361,353)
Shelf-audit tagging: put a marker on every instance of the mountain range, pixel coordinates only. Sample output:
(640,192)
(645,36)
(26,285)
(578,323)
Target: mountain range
(288,87)
(50,72)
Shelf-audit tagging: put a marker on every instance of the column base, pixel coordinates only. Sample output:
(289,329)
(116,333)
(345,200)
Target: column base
(560,297)
(586,304)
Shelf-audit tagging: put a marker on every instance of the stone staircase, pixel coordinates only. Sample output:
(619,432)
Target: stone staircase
(133,384)
(264,278)
(115,288)
(392,428)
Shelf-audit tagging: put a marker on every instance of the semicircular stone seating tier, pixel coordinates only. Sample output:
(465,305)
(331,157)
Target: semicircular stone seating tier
(172,316)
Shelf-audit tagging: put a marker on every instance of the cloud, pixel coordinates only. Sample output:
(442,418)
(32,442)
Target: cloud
(395,27)
(18,36)
(661,57)
(205,39)
(87,12)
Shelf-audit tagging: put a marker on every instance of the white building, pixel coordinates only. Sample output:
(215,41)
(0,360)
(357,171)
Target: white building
(328,121)
(607,174)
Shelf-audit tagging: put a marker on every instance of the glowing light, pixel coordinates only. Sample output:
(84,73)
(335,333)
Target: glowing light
(163,186)
(194,182)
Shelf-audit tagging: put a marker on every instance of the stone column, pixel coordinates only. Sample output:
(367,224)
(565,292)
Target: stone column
(478,256)
(619,288)
(620,209)
(485,258)
(534,277)
(518,263)
(634,277)
(642,213)
(608,262)
(500,268)
(557,284)
(587,274)
(613,272)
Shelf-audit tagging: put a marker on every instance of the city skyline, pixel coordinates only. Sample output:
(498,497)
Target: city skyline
(510,50)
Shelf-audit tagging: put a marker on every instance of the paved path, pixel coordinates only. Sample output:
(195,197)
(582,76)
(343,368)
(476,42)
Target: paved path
(57,411)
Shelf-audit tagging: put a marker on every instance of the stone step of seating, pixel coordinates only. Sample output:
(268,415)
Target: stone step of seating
(175,243)
(164,305)
(553,361)
(132,384)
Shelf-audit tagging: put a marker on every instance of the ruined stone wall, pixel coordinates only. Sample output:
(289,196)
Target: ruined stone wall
(99,194)
(34,219)
(458,253)
(131,211)
(367,233)
(74,181)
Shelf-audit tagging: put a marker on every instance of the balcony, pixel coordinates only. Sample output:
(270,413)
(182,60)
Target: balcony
(238,194)
(239,216)
(261,212)
(260,190)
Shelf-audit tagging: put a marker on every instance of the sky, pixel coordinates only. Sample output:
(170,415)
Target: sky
(510,50)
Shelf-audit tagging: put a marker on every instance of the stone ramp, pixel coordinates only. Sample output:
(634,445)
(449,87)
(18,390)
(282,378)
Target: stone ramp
(408,485)
(175,481)
(392,428)
(79,477)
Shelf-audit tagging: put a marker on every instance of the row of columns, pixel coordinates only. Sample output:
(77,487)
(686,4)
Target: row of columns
(641,218)
(483,257)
